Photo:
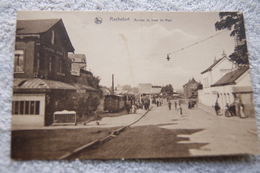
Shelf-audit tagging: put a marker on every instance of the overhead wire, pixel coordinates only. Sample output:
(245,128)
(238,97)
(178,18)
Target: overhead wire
(195,43)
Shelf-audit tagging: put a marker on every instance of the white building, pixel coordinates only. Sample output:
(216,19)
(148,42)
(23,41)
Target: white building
(236,83)
(210,76)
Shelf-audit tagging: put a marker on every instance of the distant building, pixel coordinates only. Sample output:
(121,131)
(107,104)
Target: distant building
(190,89)
(156,90)
(147,90)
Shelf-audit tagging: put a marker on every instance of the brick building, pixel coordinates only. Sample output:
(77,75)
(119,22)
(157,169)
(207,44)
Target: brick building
(190,89)
(43,82)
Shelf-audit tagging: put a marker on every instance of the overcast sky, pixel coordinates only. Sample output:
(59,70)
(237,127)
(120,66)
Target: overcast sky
(135,51)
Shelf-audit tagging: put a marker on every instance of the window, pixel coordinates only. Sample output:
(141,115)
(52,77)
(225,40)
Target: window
(50,64)
(19,61)
(52,37)
(61,66)
(26,107)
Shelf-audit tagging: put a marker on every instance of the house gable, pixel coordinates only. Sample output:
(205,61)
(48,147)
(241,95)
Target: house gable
(217,70)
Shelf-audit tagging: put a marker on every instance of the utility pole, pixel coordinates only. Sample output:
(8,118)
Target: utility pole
(112,84)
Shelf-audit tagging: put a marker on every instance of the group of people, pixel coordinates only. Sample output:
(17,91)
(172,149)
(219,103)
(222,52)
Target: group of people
(192,104)
(131,108)
(146,104)
(178,107)
(234,109)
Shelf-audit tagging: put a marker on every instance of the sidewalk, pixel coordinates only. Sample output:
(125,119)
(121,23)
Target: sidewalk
(211,111)
(106,122)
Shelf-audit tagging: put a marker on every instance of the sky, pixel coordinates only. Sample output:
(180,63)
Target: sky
(135,49)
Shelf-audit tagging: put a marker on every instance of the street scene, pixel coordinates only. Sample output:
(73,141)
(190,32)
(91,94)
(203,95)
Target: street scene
(127,85)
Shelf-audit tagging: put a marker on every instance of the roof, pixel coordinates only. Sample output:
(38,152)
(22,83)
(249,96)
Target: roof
(34,26)
(212,65)
(231,77)
(83,87)
(37,83)
(45,84)
(242,89)
(39,26)
(191,81)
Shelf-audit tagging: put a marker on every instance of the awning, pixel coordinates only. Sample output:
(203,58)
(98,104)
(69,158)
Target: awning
(242,89)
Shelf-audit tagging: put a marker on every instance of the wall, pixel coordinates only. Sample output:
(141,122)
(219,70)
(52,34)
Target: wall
(30,120)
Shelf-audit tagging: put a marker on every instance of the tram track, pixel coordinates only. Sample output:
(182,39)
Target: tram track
(113,134)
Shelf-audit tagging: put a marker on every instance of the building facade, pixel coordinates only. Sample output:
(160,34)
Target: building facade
(236,86)
(43,82)
(211,75)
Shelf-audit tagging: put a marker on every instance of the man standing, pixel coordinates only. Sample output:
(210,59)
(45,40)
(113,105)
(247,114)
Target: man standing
(175,104)
(169,104)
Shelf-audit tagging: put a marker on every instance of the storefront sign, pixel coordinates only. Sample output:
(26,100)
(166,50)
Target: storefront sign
(52,50)
(81,91)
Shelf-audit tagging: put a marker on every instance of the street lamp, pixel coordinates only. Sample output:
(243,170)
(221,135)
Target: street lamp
(168,57)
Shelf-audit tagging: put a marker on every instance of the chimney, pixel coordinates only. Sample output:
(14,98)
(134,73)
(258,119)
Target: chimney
(112,84)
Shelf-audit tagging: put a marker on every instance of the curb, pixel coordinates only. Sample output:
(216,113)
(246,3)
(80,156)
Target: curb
(103,140)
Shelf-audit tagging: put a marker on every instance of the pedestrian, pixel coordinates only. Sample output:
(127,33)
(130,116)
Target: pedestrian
(179,109)
(128,107)
(133,108)
(169,104)
(195,103)
(189,105)
(175,104)
(232,109)
(242,111)
(238,105)
(227,113)
(217,108)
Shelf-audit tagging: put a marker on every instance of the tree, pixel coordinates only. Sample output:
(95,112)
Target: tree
(234,21)
(168,89)
(93,81)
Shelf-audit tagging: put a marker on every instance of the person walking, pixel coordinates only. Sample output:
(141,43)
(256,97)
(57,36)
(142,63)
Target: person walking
(189,105)
(169,104)
(175,105)
(179,109)
(217,108)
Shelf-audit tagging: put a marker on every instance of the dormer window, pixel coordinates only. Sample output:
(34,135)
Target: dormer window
(53,37)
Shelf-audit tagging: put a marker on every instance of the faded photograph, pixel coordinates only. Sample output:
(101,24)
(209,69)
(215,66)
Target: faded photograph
(113,85)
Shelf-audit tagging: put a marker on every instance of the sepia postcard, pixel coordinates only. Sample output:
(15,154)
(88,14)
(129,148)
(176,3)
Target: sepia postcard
(132,85)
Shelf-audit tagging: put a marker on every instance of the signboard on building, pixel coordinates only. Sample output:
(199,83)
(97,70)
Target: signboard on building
(156,90)
(145,88)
